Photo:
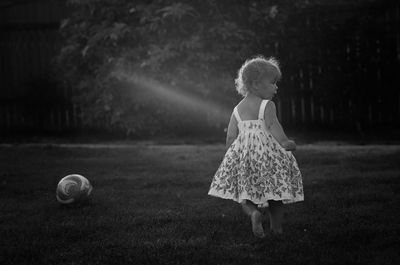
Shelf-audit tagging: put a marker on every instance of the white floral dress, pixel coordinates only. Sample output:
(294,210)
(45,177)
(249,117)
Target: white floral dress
(256,167)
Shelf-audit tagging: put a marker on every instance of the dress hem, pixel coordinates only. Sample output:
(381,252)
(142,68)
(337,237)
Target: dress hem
(261,203)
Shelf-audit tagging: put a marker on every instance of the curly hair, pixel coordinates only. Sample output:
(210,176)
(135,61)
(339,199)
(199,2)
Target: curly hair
(253,70)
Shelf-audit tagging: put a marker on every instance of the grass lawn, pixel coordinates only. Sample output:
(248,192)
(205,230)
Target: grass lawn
(150,206)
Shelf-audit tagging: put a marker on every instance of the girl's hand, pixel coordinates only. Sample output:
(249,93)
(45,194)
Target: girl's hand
(289,145)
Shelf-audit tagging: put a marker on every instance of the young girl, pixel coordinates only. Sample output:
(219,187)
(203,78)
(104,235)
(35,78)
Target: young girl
(258,169)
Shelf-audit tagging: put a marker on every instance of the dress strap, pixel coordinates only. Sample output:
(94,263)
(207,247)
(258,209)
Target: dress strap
(236,113)
(262,109)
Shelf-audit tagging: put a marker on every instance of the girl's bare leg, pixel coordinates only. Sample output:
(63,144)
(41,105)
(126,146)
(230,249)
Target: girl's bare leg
(276,214)
(251,210)
(248,207)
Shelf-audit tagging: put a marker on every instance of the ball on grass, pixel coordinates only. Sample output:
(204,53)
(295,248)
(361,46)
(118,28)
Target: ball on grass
(73,188)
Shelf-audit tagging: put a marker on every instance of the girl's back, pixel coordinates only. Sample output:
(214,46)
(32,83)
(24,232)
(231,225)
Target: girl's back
(249,108)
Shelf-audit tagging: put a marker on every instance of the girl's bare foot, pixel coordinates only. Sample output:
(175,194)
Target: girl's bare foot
(256,222)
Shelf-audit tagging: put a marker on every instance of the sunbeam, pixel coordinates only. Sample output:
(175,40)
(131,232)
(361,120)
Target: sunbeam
(217,113)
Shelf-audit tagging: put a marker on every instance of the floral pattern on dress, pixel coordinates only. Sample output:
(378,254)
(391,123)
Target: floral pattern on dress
(256,167)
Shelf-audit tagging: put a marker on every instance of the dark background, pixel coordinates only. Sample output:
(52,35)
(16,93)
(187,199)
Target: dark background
(340,64)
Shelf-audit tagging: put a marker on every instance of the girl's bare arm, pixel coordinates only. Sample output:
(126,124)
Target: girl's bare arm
(275,128)
(232,131)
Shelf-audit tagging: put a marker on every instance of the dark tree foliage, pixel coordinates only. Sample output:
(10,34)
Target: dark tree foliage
(146,66)
(191,47)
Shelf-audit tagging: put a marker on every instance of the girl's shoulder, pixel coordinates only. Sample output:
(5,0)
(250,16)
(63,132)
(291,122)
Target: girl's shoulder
(270,107)
(247,104)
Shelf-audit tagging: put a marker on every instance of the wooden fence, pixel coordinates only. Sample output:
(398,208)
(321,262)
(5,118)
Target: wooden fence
(26,51)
